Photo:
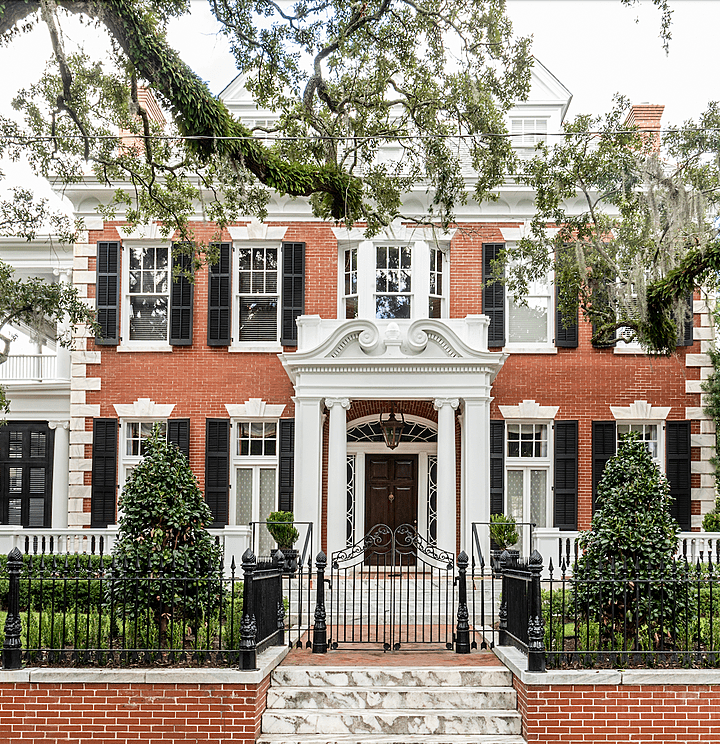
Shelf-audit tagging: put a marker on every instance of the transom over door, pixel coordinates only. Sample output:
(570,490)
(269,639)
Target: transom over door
(391,490)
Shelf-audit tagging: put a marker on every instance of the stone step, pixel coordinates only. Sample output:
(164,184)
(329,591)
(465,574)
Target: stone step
(378,698)
(402,739)
(385,676)
(392,722)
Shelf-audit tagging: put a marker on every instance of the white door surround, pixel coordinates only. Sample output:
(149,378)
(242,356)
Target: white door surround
(445,362)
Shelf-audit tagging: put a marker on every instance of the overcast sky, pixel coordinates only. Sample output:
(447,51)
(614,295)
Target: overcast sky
(594,47)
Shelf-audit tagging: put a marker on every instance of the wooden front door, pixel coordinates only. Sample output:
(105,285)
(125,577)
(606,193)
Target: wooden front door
(391,490)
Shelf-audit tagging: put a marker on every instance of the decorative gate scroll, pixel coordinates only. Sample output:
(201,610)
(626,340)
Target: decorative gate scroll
(391,588)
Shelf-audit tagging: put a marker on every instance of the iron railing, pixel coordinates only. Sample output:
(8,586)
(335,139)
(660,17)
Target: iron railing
(622,614)
(90,610)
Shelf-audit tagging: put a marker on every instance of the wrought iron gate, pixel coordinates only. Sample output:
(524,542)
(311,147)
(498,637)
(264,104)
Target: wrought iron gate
(391,588)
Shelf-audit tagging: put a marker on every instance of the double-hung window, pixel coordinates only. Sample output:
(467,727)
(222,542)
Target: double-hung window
(134,434)
(393,281)
(255,459)
(148,293)
(650,434)
(527,133)
(435,298)
(530,323)
(350,285)
(528,474)
(257,294)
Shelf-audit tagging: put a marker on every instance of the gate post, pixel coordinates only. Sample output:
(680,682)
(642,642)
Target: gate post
(462,633)
(502,628)
(12,647)
(319,645)
(248,626)
(536,645)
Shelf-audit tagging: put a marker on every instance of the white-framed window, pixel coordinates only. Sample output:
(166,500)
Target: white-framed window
(134,432)
(530,324)
(527,132)
(435,295)
(393,281)
(649,433)
(146,280)
(255,464)
(257,295)
(350,283)
(527,474)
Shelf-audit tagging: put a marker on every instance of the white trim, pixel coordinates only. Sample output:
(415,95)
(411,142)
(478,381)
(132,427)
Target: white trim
(254,408)
(259,231)
(144,408)
(529,409)
(640,412)
(373,418)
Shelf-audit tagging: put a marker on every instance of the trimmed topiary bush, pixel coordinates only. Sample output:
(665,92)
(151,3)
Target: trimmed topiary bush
(165,562)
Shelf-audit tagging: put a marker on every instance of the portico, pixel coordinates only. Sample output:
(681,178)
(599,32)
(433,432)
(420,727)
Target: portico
(442,362)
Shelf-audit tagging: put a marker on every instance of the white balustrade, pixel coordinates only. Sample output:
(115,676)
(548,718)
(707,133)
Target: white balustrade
(26,367)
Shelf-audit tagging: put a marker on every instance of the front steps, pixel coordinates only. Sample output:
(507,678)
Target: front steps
(391,705)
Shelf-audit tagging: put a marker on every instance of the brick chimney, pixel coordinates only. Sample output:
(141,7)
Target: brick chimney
(149,104)
(646,117)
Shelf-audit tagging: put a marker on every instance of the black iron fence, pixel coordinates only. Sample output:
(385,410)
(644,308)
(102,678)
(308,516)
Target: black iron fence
(80,610)
(623,614)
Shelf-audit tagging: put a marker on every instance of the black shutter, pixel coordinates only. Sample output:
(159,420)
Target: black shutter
(219,298)
(103,492)
(286,480)
(497,466)
(566,336)
(107,291)
(181,302)
(604,438)
(689,324)
(493,296)
(293,291)
(217,469)
(178,432)
(566,475)
(678,470)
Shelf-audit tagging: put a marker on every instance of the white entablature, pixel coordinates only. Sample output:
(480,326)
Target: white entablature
(398,359)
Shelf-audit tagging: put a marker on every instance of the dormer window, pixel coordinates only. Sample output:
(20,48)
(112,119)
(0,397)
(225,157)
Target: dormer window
(528,132)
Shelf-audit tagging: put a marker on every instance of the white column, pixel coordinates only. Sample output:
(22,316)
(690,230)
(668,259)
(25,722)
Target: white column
(61,477)
(337,474)
(308,465)
(446,475)
(476,472)
(62,368)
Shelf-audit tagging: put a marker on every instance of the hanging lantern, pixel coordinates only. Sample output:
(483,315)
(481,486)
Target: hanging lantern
(392,429)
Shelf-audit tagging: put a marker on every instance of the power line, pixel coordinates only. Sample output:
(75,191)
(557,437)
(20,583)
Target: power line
(27,138)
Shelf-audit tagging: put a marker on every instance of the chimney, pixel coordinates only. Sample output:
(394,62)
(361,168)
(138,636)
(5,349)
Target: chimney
(646,117)
(149,104)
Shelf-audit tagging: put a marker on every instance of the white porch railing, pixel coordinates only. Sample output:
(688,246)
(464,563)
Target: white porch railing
(234,541)
(556,545)
(25,367)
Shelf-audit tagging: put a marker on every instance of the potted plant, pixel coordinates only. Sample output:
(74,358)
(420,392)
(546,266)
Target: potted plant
(281,528)
(503,534)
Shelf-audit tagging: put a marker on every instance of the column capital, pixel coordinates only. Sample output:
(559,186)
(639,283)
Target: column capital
(340,402)
(59,424)
(438,403)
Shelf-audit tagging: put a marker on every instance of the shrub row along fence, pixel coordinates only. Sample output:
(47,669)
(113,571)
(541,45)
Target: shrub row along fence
(80,610)
(625,614)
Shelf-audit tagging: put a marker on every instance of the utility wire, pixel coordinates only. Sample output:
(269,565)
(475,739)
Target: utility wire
(343,138)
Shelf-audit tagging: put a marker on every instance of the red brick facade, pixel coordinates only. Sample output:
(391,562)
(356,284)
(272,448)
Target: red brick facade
(85,713)
(575,714)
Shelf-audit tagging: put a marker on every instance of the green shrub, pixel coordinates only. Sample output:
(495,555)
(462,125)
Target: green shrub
(280,526)
(162,533)
(711,521)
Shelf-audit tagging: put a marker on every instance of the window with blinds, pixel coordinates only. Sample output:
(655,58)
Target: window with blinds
(529,322)
(148,290)
(258,294)
(528,132)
